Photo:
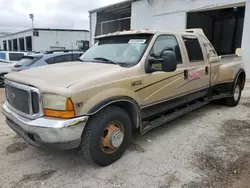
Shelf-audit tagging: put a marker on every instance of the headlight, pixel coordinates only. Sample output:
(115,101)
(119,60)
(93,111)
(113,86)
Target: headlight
(55,102)
(58,106)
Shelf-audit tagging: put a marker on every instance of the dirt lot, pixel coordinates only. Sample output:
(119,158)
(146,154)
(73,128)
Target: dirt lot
(206,148)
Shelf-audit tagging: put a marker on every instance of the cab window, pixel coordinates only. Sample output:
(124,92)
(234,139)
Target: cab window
(166,42)
(193,49)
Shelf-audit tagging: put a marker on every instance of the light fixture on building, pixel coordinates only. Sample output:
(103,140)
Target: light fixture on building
(32,20)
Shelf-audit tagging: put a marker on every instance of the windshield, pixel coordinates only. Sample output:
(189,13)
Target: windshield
(3,55)
(3,61)
(27,61)
(125,49)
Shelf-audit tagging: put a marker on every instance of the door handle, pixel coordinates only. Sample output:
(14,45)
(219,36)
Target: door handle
(185,74)
(206,70)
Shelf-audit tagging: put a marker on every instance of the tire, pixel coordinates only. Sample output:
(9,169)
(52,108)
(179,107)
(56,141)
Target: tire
(235,99)
(98,133)
(2,80)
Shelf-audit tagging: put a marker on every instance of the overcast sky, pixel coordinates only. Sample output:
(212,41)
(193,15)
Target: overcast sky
(14,14)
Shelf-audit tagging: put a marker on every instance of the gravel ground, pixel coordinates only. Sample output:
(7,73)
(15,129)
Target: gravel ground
(205,148)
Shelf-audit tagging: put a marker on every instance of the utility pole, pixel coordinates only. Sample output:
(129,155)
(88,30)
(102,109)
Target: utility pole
(32,21)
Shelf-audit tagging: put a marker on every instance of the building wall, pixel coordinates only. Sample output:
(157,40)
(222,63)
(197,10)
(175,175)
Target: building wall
(246,40)
(47,39)
(92,27)
(15,36)
(160,13)
(171,14)
(154,19)
(66,39)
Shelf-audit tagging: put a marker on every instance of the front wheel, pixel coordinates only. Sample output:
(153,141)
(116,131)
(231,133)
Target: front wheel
(2,80)
(235,99)
(106,136)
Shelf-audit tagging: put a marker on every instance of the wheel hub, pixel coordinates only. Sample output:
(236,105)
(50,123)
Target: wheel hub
(112,138)
(237,92)
(116,139)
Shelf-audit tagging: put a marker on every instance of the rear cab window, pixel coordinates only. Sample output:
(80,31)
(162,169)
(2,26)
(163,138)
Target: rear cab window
(64,58)
(27,61)
(76,56)
(59,59)
(194,49)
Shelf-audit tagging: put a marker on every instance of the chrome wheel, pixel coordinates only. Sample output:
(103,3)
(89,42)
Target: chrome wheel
(237,92)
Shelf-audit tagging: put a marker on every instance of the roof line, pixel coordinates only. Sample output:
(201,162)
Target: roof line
(49,29)
(112,5)
(44,29)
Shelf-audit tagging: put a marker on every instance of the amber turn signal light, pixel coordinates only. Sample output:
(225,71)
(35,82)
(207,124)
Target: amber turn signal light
(68,113)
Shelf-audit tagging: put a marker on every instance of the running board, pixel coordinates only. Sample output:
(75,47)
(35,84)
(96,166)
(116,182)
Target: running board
(221,96)
(164,119)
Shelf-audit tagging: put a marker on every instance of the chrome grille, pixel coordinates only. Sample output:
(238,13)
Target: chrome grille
(17,98)
(23,100)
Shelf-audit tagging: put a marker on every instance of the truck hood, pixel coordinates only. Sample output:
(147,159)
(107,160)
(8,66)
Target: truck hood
(64,74)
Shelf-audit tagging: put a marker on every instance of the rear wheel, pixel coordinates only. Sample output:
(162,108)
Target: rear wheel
(106,136)
(235,99)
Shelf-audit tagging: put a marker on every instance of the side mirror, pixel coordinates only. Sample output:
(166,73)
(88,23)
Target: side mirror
(168,63)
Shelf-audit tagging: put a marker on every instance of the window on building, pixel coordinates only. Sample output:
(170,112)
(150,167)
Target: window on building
(9,45)
(4,45)
(166,42)
(15,56)
(36,33)
(193,49)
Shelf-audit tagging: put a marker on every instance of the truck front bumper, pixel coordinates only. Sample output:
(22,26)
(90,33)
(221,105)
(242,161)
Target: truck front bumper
(47,132)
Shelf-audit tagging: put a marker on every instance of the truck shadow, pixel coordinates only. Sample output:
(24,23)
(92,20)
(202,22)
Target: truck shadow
(179,122)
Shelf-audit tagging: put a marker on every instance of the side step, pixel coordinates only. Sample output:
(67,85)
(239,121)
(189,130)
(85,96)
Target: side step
(168,117)
(221,96)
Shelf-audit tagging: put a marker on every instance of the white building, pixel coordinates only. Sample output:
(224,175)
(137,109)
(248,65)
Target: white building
(41,39)
(225,22)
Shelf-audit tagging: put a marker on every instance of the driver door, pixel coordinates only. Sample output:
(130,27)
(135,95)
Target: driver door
(163,90)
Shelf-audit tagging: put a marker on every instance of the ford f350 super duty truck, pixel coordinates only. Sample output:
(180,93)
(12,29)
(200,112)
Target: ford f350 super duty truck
(126,80)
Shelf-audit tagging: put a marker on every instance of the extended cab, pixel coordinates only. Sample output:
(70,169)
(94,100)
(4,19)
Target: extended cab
(129,79)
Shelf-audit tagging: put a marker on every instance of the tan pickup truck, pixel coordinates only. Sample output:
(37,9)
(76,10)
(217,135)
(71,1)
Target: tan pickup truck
(126,80)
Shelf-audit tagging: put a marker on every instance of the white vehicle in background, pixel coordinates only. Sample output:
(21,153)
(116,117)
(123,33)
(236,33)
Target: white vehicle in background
(7,61)
(5,68)
(11,57)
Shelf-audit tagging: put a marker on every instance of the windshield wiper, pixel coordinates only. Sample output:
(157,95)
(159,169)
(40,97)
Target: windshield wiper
(106,60)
